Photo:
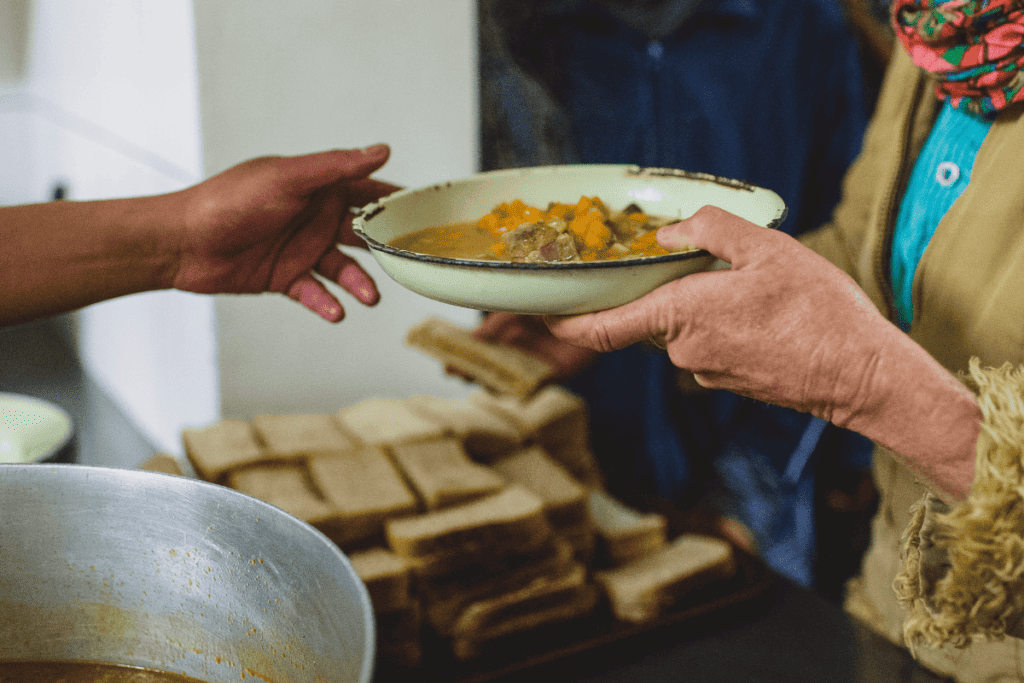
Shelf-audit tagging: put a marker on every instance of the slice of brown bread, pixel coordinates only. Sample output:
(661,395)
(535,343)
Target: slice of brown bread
(646,588)
(626,534)
(551,415)
(497,524)
(222,446)
(285,485)
(365,489)
(556,419)
(583,539)
(565,499)
(407,654)
(499,368)
(446,597)
(387,421)
(295,436)
(164,463)
(578,458)
(442,473)
(484,433)
(543,601)
(387,577)
(400,625)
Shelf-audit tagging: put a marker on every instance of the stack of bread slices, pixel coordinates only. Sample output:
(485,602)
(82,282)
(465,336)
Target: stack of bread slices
(471,519)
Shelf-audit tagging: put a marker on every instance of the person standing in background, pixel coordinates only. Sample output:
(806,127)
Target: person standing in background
(771,92)
(898,319)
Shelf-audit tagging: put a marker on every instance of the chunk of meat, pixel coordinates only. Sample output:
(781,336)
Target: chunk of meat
(539,242)
(562,249)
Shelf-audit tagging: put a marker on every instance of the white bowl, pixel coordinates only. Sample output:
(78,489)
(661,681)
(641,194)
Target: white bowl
(31,429)
(552,288)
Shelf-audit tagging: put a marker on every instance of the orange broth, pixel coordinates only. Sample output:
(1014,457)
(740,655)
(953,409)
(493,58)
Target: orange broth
(515,231)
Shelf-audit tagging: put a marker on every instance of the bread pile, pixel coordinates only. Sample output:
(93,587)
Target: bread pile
(469,519)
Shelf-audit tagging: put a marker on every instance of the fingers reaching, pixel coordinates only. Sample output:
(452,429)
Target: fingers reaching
(308,173)
(312,294)
(366,190)
(346,272)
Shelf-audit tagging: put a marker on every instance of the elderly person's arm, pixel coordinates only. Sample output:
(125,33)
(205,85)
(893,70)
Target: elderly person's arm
(785,326)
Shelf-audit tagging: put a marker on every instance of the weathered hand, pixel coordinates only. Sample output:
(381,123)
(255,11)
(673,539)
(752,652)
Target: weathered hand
(269,224)
(785,326)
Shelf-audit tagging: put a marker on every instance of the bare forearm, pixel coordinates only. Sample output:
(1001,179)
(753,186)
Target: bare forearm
(932,422)
(61,256)
(786,326)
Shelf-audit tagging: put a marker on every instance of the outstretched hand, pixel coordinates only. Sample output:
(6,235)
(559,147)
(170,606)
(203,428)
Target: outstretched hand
(786,326)
(273,224)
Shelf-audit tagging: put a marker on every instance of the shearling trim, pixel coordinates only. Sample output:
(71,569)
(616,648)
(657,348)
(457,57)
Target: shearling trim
(963,573)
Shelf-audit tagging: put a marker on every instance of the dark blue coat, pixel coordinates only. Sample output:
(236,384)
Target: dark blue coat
(772,92)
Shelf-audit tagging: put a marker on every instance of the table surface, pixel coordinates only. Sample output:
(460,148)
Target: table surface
(786,633)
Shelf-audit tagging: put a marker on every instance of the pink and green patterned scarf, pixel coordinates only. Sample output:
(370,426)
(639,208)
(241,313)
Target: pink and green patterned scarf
(973,48)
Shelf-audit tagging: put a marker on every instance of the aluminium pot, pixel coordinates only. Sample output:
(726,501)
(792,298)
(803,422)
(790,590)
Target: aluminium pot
(175,574)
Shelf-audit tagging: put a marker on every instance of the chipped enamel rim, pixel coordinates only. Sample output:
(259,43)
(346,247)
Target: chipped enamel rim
(371,211)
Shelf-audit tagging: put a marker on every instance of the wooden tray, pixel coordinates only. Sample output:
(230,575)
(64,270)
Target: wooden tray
(526,650)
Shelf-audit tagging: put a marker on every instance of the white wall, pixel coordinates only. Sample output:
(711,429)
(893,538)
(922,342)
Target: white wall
(102,97)
(14,22)
(15,148)
(288,78)
(130,97)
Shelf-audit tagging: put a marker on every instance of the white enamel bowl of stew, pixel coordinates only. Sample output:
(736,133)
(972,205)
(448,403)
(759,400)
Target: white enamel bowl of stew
(562,288)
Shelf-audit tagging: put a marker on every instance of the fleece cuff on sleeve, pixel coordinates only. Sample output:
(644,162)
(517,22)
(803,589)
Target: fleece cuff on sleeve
(963,572)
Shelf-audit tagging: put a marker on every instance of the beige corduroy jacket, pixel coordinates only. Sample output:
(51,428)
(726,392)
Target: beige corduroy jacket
(950,583)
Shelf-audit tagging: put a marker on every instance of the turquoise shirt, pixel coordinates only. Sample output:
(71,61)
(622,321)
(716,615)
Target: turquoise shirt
(940,176)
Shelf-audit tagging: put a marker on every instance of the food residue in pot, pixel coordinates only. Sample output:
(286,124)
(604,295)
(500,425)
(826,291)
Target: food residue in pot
(85,672)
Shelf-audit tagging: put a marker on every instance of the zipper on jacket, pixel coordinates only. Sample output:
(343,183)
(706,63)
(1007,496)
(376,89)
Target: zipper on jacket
(883,253)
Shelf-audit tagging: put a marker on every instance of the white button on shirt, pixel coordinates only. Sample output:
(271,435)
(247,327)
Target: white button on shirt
(940,175)
(947,173)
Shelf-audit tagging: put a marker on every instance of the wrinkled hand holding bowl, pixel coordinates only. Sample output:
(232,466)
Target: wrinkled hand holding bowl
(551,288)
